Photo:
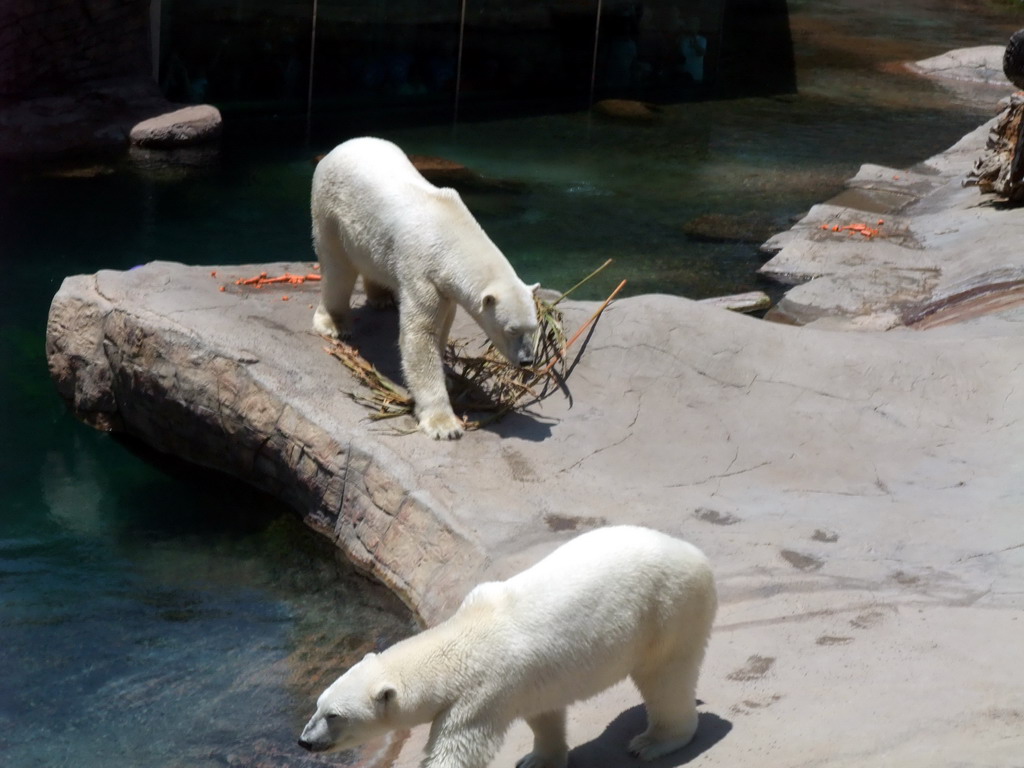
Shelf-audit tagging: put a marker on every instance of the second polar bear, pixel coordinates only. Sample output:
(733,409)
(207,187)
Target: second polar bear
(614,602)
(374,215)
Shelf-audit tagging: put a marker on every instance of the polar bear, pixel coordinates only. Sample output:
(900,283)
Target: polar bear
(614,602)
(374,215)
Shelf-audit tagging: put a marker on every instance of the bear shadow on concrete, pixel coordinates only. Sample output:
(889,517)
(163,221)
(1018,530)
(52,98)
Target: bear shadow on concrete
(609,750)
(375,335)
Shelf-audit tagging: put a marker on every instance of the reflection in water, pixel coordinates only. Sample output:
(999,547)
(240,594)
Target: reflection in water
(169,618)
(70,486)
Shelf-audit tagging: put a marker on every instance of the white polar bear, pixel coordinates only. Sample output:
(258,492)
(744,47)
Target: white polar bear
(374,215)
(610,603)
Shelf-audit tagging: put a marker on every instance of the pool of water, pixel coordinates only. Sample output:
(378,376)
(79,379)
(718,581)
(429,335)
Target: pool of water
(155,615)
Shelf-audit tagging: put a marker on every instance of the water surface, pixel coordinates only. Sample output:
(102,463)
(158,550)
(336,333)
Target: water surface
(153,615)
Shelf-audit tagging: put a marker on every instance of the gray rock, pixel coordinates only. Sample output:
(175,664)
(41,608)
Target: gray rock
(980,64)
(859,494)
(188,126)
(933,244)
(747,438)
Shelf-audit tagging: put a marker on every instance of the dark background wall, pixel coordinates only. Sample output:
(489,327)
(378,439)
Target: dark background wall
(386,60)
(52,46)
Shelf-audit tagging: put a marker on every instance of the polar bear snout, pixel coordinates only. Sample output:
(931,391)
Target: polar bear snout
(313,746)
(525,354)
(316,736)
(521,348)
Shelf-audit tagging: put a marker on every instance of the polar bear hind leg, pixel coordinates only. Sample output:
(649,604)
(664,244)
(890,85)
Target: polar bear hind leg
(333,316)
(550,749)
(669,692)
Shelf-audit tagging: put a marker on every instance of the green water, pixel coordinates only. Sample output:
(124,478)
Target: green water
(153,615)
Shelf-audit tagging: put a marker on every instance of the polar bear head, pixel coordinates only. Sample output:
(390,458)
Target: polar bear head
(353,710)
(508,315)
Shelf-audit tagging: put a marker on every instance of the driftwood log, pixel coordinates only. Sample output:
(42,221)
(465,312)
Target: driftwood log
(1000,171)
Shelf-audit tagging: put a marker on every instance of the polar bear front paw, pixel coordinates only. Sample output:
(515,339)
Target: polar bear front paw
(441,426)
(326,325)
(541,760)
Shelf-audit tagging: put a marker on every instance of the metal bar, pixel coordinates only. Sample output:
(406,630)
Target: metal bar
(458,62)
(312,60)
(593,66)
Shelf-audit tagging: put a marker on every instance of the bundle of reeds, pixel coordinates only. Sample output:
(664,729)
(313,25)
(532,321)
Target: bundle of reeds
(484,384)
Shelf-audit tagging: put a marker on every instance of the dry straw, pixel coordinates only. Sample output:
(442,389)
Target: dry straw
(485,384)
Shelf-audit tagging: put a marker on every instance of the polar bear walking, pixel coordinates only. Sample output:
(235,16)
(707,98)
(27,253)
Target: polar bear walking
(614,602)
(374,215)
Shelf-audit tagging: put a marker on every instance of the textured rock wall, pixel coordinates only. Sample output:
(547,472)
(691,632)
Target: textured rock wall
(51,46)
(158,381)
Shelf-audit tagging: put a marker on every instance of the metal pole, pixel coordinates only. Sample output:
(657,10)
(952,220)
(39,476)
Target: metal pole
(458,62)
(593,66)
(312,60)
(155,12)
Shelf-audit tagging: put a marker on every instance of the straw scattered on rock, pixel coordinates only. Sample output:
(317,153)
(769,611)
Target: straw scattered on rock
(482,385)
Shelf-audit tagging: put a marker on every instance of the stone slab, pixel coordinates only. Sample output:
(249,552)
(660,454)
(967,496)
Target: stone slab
(937,243)
(859,494)
(978,64)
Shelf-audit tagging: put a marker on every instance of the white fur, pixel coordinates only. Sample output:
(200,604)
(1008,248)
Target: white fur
(615,602)
(374,215)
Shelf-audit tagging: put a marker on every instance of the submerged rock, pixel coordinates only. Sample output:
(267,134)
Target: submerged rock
(625,109)
(442,172)
(730,228)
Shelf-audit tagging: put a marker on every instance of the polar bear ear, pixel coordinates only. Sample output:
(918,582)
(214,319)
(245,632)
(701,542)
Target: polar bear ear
(533,288)
(384,694)
(488,301)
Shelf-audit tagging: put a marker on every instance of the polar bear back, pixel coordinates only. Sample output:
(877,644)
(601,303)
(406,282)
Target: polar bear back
(620,576)
(601,607)
(382,210)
